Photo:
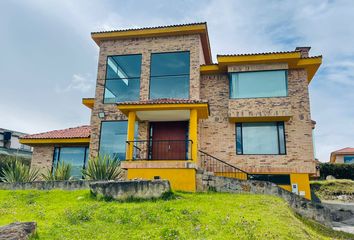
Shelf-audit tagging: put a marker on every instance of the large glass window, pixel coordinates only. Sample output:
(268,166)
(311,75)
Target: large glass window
(260,138)
(169,75)
(349,159)
(280,179)
(113,138)
(258,84)
(75,156)
(122,78)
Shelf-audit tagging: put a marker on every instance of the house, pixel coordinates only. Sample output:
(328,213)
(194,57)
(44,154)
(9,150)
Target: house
(168,111)
(344,155)
(10,144)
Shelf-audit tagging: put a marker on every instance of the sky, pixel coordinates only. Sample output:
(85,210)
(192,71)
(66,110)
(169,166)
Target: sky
(48,61)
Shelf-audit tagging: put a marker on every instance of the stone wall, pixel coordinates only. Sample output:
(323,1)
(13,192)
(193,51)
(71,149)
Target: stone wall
(144,46)
(46,185)
(42,157)
(123,190)
(218,134)
(300,205)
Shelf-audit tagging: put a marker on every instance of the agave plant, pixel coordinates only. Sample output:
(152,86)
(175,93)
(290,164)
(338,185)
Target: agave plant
(103,168)
(15,171)
(62,172)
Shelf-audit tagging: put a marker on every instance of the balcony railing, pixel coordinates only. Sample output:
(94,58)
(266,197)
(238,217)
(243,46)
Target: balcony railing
(161,149)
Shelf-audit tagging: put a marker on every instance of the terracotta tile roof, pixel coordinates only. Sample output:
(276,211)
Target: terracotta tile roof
(163,101)
(251,54)
(347,150)
(75,132)
(144,28)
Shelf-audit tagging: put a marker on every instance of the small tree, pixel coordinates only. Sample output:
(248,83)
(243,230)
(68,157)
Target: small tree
(103,168)
(16,171)
(62,172)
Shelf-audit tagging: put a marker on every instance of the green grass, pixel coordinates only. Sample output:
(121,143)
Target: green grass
(77,215)
(329,189)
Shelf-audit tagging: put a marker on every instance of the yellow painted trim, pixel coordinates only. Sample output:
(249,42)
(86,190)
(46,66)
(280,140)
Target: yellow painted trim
(260,119)
(203,109)
(209,69)
(278,57)
(54,140)
(88,102)
(193,133)
(130,134)
(311,65)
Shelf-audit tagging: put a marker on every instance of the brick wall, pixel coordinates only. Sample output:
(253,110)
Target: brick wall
(42,157)
(144,46)
(217,133)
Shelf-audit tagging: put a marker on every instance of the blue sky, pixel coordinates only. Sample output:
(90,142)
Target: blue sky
(48,61)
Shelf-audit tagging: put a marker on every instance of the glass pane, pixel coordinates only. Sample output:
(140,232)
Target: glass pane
(55,158)
(349,159)
(281,138)
(121,90)
(169,87)
(260,138)
(258,84)
(239,138)
(113,137)
(74,156)
(176,63)
(121,67)
(280,179)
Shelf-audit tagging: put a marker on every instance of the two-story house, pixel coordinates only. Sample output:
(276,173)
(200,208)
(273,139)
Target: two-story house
(168,111)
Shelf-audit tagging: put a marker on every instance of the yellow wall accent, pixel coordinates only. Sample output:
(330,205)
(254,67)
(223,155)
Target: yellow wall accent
(202,108)
(193,133)
(54,140)
(88,102)
(286,187)
(239,175)
(303,182)
(257,58)
(180,179)
(261,119)
(130,135)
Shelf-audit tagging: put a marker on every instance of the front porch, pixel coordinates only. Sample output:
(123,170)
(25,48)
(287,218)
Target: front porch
(168,148)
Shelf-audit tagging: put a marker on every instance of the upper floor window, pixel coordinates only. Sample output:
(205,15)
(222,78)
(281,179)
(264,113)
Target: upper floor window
(258,84)
(169,75)
(348,159)
(122,78)
(260,138)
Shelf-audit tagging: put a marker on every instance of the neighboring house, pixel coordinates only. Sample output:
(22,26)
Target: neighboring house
(167,110)
(345,155)
(11,146)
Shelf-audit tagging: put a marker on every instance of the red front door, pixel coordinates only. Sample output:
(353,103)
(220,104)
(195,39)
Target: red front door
(169,140)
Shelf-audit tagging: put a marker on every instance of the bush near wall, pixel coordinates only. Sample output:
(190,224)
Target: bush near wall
(4,159)
(339,171)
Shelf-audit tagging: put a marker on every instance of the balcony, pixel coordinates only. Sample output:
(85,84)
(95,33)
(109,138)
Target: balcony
(160,150)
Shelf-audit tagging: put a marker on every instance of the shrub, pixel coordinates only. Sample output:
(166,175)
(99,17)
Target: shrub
(5,159)
(339,171)
(62,172)
(15,171)
(103,168)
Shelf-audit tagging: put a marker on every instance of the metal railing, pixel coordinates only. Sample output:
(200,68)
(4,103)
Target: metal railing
(219,167)
(161,149)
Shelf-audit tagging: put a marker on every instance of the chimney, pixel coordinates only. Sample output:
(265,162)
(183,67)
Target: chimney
(304,51)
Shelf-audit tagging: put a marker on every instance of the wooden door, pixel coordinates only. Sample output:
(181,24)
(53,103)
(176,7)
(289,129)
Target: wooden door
(169,140)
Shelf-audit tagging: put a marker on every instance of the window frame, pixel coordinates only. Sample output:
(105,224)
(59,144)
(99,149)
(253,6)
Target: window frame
(86,148)
(270,70)
(278,123)
(105,74)
(189,83)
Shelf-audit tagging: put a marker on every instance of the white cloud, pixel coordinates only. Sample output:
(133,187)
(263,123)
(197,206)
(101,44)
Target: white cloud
(79,82)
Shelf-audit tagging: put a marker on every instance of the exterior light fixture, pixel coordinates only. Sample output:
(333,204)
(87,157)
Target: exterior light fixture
(101,115)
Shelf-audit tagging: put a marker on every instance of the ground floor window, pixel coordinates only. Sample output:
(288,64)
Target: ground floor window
(349,159)
(260,138)
(113,138)
(75,156)
(280,179)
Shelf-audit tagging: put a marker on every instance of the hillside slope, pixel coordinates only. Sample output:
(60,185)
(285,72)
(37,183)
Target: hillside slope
(76,215)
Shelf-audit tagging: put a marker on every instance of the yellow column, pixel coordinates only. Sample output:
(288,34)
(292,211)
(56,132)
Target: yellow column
(193,133)
(130,135)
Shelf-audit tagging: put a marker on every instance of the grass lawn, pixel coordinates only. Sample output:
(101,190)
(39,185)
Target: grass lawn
(329,189)
(77,215)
